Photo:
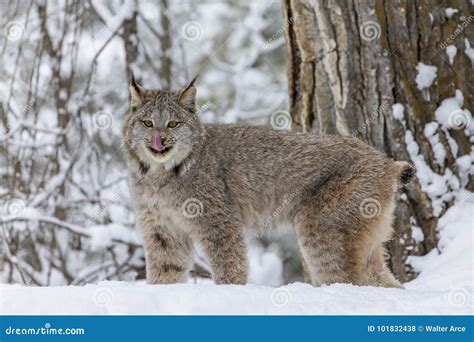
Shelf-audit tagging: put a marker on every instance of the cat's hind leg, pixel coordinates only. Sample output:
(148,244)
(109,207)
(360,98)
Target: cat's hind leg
(340,241)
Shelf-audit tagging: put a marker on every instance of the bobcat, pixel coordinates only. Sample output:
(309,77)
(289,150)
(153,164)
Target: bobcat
(209,183)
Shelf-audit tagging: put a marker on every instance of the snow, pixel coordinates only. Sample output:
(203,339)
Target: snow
(266,266)
(444,287)
(451,268)
(417,234)
(451,114)
(398,110)
(103,236)
(465,168)
(438,148)
(430,129)
(469,51)
(425,76)
(450,11)
(440,188)
(451,51)
(120,298)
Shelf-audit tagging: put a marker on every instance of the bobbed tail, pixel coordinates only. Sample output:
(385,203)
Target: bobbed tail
(407,172)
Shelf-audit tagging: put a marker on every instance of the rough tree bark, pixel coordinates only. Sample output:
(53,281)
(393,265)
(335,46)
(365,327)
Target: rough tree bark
(165,46)
(349,61)
(130,41)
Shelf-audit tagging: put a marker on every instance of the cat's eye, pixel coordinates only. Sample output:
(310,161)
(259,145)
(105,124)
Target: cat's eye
(173,124)
(147,123)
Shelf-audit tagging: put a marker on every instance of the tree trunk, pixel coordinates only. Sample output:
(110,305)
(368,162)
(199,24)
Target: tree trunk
(130,41)
(165,46)
(350,61)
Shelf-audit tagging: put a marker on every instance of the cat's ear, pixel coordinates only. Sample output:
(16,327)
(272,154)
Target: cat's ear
(136,93)
(187,96)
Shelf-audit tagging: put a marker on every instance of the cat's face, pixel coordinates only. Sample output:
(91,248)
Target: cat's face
(162,126)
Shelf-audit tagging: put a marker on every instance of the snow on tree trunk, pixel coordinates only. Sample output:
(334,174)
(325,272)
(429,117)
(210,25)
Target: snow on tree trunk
(398,75)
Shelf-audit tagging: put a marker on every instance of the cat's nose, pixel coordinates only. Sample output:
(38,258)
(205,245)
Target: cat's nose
(156,142)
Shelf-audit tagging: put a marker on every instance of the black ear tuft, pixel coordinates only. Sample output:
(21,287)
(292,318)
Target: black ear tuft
(191,84)
(136,93)
(132,79)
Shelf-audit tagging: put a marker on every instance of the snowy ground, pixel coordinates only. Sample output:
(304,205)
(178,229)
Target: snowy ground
(116,298)
(445,286)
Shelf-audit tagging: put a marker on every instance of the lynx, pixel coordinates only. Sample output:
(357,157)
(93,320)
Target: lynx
(209,184)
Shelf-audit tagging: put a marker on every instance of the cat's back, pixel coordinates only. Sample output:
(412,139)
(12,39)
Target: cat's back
(247,136)
(276,154)
(256,140)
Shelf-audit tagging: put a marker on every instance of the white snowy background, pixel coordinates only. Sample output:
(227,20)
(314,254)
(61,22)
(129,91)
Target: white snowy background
(69,245)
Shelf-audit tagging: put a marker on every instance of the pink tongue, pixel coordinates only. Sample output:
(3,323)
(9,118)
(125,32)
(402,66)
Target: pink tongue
(156,142)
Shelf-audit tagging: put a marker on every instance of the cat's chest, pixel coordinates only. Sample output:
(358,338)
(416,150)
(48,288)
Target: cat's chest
(156,197)
(160,204)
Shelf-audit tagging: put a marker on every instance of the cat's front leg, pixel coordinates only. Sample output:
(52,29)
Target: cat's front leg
(224,246)
(168,256)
